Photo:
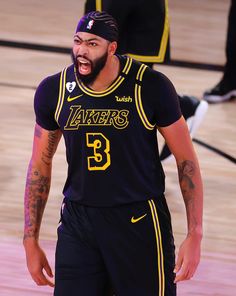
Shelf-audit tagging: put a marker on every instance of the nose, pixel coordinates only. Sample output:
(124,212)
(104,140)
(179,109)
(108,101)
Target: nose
(82,49)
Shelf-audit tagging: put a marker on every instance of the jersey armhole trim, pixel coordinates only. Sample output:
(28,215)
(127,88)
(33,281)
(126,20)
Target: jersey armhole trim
(138,100)
(61,95)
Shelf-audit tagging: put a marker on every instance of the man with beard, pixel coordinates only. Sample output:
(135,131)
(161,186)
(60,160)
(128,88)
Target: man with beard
(115,235)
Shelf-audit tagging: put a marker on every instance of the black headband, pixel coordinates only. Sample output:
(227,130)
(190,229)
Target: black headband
(100,24)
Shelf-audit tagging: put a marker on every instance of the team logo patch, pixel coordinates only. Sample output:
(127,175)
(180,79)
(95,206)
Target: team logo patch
(70,86)
(90,24)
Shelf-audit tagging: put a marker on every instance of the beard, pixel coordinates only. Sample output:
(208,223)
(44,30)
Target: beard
(96,66)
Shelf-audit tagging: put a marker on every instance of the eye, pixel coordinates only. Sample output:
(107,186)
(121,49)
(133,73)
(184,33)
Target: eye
(92,44)
(77,41)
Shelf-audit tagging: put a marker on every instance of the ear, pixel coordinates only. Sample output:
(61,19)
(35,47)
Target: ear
(112,48)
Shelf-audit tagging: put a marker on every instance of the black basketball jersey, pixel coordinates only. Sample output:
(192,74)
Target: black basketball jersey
(110,135)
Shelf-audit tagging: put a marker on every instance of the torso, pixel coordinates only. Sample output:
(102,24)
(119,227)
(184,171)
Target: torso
(111,142)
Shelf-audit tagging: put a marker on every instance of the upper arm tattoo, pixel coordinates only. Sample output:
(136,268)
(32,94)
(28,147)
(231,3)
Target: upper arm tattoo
(47,155)
(52,142)
(38,131)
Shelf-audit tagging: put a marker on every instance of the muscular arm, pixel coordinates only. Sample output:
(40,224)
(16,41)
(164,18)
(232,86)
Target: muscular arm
(191,188)
(36,195)
(39,179)
(178,140)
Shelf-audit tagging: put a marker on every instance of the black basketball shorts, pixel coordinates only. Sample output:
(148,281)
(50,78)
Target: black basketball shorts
(124,251)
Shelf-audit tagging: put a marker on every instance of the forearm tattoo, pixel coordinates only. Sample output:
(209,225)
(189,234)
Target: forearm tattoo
(37,189)
(37,186)
(186,171)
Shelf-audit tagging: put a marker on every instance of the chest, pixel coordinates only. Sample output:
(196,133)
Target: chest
(115,109)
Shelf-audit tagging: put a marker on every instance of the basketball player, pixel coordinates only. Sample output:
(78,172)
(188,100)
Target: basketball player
(144,36)
(226,87)
(115,235)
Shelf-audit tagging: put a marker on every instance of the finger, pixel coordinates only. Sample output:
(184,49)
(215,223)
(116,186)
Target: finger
(183,273)
(180,277)
(41,280)
(178,264)
(45,281)
(188,270)
(177,268)
(50,283)
(190,274)
(48,269)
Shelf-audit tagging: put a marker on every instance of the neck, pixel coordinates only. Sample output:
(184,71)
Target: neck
(107,75)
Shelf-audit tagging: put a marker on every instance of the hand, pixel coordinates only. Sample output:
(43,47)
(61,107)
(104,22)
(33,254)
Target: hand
(36,263)
(188,258)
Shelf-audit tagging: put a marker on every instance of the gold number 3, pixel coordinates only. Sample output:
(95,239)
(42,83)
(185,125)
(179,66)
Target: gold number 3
(101,158)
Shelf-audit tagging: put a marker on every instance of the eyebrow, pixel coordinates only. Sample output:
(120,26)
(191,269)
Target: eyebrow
(87,40)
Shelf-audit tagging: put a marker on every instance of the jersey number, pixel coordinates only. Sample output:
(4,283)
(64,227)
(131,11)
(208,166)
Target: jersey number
(101,158)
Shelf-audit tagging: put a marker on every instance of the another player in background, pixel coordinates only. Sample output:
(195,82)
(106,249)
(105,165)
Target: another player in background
(144,35)
(226,87)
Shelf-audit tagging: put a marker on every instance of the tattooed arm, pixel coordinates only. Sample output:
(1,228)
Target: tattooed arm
(36,195)
(178,140)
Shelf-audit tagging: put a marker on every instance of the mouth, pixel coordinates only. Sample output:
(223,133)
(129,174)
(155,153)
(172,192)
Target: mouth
(84,66)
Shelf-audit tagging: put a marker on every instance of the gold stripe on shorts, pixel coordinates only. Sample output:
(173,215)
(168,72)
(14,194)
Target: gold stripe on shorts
(160,257)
